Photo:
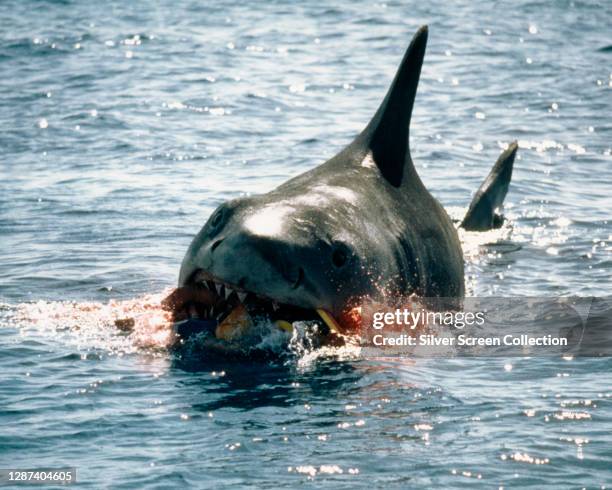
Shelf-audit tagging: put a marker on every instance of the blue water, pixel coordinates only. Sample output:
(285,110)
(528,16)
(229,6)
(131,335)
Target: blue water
(124,124)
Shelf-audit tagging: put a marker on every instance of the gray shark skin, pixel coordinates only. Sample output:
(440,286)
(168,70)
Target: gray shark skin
(361,225)
(482,213)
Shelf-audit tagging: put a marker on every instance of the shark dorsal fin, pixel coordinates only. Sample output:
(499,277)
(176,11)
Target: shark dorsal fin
(385,138)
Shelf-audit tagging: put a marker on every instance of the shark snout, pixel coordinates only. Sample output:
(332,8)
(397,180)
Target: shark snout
(261,264)
(257,260)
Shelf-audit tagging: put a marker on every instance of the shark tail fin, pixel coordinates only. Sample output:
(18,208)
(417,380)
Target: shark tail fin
(481,215)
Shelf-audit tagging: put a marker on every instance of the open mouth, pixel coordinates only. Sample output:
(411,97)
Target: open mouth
(229,311)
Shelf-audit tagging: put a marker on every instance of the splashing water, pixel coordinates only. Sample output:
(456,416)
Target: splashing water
(117,327)
(141,324)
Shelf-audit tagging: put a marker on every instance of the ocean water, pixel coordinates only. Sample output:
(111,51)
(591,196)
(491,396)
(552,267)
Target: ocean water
(124,124)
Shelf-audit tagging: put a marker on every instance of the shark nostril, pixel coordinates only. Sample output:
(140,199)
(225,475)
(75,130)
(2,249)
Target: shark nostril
(299,280)
(215,244)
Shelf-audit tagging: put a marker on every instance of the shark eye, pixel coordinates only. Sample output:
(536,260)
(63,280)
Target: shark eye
(340,255)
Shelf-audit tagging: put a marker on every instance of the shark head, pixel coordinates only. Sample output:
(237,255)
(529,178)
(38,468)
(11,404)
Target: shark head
(311,247)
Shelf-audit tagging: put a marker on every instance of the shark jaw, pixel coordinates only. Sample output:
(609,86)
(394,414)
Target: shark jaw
(224,305)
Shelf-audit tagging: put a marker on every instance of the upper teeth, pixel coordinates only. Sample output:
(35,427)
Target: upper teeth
(223,291)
